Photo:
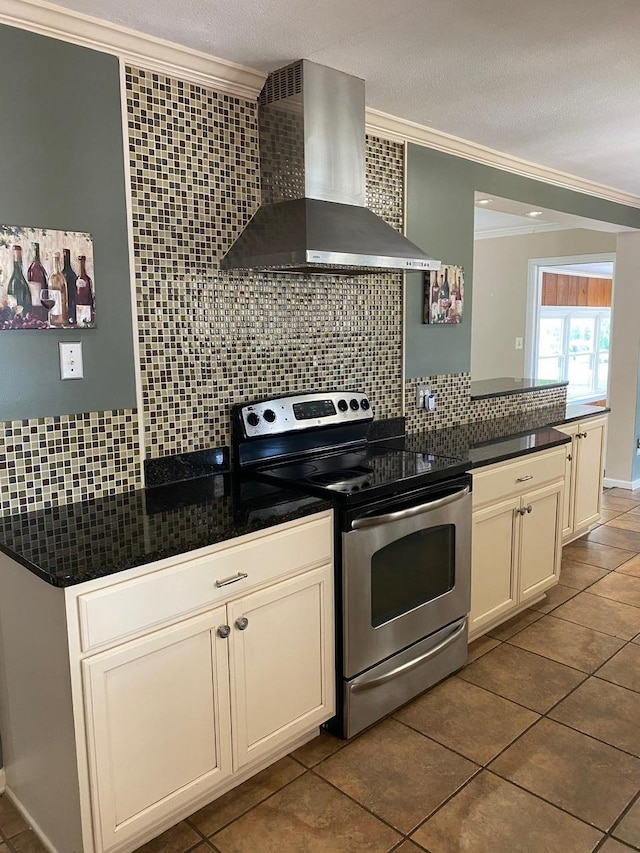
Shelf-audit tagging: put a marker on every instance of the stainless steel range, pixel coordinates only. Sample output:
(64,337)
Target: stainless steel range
(403,537)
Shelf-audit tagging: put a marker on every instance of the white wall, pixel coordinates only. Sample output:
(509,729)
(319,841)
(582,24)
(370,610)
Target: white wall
(500,269)
(624,359)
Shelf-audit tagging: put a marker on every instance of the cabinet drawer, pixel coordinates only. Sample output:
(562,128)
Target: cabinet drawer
(519,476)
(121,611)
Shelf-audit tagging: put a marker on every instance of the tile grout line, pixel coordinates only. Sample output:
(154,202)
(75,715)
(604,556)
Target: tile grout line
(250,808)
(405,835)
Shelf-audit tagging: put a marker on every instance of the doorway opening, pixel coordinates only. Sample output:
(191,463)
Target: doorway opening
(569,323)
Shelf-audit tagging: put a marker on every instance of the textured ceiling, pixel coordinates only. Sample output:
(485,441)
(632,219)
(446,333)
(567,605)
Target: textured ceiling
(554,82)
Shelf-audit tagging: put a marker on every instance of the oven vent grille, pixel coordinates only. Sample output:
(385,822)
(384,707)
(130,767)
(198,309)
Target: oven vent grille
(282,84)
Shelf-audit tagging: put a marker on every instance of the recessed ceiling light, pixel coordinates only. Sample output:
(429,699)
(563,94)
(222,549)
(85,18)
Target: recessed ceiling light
(534,213)
(485,201)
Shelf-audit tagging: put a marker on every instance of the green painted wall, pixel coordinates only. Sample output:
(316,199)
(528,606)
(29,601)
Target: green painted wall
(440,209)
(62,167)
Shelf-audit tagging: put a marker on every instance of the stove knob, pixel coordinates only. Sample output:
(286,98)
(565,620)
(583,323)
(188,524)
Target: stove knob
(364,404)
(343,405)
(355,405)
(269,415)
(253,419)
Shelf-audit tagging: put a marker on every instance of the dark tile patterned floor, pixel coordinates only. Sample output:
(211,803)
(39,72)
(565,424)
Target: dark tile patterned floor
(534,747)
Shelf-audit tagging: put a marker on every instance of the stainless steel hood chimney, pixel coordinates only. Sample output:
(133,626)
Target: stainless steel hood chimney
(313,217)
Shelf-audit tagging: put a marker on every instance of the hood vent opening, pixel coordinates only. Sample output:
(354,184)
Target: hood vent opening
(281,84)
(313,218)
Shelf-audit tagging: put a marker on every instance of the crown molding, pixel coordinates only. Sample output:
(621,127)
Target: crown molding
(402,130)
(154,54)
(139,49)
(519,230)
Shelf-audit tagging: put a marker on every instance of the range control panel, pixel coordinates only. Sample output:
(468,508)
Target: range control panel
(304,411)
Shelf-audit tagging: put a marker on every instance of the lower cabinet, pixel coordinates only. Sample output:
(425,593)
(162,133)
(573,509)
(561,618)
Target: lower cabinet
(158,725)
(583,475)
(281,678)
(516,535)
(130,701)
(170,716)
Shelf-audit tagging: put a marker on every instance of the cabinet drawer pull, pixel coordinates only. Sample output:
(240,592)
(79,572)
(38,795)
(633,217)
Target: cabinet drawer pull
(520,511)
(582,435)
(569,457)
(529,508)
(241,623)
(524,479)
(234,579)
(224,631)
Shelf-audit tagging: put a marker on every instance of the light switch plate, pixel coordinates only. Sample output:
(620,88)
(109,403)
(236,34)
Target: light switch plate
(71,360)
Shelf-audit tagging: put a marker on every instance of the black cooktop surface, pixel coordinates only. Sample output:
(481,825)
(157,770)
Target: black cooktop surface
(363,472)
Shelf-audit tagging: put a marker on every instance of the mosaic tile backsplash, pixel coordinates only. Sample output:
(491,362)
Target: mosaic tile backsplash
(59,460)
(455,406)
(209,339)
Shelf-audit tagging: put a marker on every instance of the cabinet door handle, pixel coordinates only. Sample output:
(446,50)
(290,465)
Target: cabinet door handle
(529,508)
(241,623)
(520,511)
(234,579)
(224,631)
(581,435)
(569,457)
(524,479)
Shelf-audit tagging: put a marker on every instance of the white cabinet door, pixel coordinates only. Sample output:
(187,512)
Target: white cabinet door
(493,560)
(540,540)
(569,476)
(282,663)
(158,728)
(588,476)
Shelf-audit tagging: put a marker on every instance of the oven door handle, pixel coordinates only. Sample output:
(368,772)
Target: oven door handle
(409,665)
(376,520)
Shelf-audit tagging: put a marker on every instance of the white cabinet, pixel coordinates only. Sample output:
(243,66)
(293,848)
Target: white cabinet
(158,725)
(159,688)
(583,475)
(282,678)
(516,535)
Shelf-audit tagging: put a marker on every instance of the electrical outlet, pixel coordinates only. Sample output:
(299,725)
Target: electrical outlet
(422,394)
(71,361)
(519,343)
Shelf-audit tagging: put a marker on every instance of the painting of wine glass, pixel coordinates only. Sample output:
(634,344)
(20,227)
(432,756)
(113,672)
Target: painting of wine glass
(46,279)
(443,295)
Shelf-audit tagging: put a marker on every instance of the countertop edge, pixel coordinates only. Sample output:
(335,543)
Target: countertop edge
(583,416)
(516,454)
(155,557)
(512,389)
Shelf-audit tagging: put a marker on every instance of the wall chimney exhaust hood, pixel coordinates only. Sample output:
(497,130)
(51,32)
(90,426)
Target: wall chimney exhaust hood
(313,219)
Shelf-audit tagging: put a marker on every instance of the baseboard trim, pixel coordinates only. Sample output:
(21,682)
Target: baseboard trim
(46,842)
(610,483)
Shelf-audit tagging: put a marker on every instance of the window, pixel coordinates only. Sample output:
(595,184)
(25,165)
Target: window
(573,345)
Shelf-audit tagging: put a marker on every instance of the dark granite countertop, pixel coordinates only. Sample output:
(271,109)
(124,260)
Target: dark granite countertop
(79,542)
(579,412)
(464,443)
(503,385)
(486,442)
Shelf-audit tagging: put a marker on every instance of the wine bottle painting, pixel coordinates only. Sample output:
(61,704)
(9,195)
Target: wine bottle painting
(443,300)
(46,279)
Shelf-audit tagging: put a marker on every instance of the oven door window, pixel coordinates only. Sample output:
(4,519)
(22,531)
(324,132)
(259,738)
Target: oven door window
(412,571)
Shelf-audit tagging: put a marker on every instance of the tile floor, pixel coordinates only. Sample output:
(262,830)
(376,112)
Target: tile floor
(534,747)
